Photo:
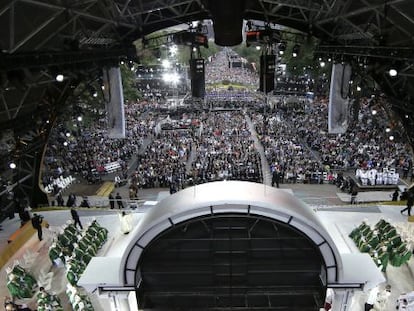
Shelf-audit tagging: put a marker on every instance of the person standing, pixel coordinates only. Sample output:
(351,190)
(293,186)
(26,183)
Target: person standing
(59,199)
(329,299)
(75,217)
(37,224)
(410,202)
(372,299)
(354,194)
(125,223)
(275,178)
(71,200)
(111,201)
(119,201)
(394,196)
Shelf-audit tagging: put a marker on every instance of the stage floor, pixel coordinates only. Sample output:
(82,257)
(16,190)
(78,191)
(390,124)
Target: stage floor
(330,205)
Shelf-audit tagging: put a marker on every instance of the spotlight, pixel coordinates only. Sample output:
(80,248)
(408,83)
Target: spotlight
(258,48)
(322,64)
(67,134)
(282,47)
(12,165)
(93,91)
(59,78)
(373,112)
(391,137)
(295,50)
(79,119)
(393,72)
(387,130)
(65,144)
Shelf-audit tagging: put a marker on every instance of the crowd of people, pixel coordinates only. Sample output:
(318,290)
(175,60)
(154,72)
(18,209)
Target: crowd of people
(225,150)
(297,142)
(85,151)
(223,68)
(164,160)
(211,140)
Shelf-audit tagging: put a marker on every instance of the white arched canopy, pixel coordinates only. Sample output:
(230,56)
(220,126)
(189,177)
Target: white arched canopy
(237,197)
(129,269)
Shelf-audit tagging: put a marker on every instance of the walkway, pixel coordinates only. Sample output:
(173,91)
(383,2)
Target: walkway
(267,175)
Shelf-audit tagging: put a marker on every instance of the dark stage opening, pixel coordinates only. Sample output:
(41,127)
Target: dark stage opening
(231,262)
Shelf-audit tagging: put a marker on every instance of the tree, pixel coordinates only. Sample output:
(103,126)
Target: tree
(129,82)
(251,54)
(305,61)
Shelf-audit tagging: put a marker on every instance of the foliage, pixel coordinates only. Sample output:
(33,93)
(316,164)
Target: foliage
(128,82)
(184,52)
(152,55)
(305,62)
(250,53)
(149,56)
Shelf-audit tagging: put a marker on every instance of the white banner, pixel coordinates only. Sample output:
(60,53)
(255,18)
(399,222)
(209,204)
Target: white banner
(114,97)
(338,112)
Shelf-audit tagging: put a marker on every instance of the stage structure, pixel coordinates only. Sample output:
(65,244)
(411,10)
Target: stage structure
(267,40)
(194,38)
(231,244)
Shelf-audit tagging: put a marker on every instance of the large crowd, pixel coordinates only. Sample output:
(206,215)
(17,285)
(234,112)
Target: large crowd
(224,69)
(179,146)
(225,150)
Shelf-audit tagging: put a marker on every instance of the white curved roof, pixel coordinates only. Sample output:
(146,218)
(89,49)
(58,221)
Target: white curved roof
(236,197)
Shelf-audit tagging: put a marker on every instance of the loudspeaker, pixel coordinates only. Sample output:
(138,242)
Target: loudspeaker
(267,73)
(197,77)
(227,16)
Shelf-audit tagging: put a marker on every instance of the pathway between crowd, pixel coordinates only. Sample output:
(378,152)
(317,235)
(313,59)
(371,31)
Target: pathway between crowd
(267,176)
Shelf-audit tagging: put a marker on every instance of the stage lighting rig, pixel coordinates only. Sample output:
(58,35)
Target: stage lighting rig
(190,39)
(260,36)
(186,37)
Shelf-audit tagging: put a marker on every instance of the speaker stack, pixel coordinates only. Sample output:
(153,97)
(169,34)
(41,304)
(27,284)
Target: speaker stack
(267,73)
(197,77)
